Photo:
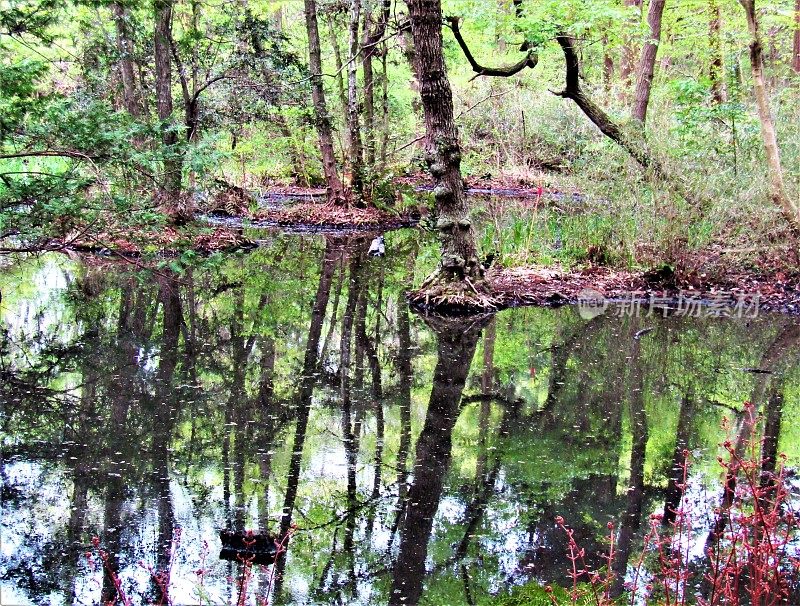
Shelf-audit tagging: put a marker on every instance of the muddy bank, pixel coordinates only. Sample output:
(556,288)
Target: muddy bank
(645,292)
(314,216)
(166,241)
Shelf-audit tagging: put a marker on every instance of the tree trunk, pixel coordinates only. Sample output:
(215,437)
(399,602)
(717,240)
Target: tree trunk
(337,55)
(647,62)
(336,192)
(384,140)
(796,46)
(173,164)
(459,253)
(716,71)
(130,96)
(372,36)
(778,191)
(631,519)
(355,153)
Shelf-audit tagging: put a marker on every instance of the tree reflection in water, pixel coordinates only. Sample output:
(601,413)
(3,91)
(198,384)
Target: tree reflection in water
(293,386)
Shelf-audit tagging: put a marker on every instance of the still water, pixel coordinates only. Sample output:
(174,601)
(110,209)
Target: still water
(291,390)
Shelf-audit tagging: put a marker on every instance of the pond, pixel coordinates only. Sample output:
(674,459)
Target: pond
(290,390)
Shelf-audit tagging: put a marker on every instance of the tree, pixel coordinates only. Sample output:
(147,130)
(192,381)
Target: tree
(162,56)
(796,45)
(354,146)
(130,93)
(647,62)
(460,274)
(335,189)
(632,142)
(715,71)
(373,33)
(778,191)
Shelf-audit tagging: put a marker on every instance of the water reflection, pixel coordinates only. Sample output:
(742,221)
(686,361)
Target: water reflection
(421,461)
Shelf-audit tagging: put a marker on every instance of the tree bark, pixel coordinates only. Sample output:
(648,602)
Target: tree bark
(457,237)
(778,191)
(531,59)
(173,165)
(647,62)
(372,37)
(336,193)
(716,71)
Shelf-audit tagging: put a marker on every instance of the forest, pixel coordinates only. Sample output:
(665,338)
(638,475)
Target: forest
(424,302)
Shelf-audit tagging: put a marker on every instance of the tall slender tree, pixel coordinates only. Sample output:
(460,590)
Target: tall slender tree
(355,152)
(778,191)
(336,193)
(130,93)
(647,62)
(796,45)
(715,71)
(173,165)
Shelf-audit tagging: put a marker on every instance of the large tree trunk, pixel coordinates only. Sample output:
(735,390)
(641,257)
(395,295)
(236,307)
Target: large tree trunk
(647,62)
(457,341)
(173,165)
(355,153)
(336,192)
(459,263)
(716,71)
(778,191)
(130,95)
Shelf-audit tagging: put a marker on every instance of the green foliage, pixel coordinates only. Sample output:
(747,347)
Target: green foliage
(533,594)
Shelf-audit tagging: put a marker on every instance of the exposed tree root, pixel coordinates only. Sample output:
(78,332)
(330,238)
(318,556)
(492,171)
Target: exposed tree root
(453,296)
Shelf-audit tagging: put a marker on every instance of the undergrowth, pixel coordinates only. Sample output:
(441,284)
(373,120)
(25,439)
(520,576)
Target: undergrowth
(748,555)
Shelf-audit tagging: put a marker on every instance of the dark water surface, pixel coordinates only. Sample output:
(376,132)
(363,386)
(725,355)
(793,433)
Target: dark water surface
(422,460)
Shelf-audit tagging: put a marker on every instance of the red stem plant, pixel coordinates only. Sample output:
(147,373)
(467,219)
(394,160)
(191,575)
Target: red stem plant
(750,558)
